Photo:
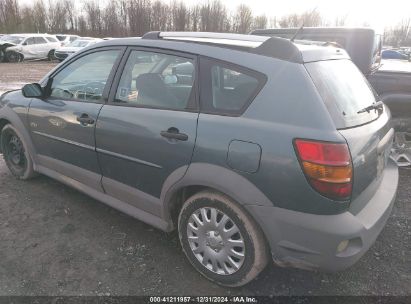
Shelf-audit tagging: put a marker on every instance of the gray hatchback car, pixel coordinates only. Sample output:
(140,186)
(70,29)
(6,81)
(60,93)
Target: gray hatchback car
(254,148)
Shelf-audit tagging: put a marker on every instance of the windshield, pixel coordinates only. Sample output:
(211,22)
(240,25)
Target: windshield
(12,39)
(79,43)
(344,90)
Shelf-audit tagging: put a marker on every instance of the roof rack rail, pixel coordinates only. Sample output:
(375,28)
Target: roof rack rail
(210,35)
(267,46)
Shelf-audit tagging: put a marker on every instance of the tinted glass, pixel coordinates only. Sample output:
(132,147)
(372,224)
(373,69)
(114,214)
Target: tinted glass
(13,39)
(231,89)
(72,38)
(30,41)
(156,80)
(51,39)
(85,78)
(79,43)
(60,37)
(343,86)
(40,40)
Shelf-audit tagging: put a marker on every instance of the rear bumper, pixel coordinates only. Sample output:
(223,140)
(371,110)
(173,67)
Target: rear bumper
(310,241)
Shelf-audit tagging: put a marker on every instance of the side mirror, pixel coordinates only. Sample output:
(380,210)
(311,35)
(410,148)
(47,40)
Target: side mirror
(33,90)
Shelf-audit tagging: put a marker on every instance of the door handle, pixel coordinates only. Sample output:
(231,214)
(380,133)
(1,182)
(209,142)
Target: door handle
(85,120)
(174,133)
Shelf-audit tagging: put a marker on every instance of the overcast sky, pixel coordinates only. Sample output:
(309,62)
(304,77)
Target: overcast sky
(376,13)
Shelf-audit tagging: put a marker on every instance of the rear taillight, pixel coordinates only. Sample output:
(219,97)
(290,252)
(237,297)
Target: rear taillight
(327,167)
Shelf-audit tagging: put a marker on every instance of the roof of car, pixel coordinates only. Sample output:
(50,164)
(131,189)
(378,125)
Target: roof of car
(31,35)
(274,47)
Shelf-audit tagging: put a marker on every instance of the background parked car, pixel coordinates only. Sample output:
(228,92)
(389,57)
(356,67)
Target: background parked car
(19,47)
(66,39)
(73,47)
(392,54)
(7,41)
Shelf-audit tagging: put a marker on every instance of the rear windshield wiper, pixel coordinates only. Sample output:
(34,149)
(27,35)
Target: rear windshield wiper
(379,105)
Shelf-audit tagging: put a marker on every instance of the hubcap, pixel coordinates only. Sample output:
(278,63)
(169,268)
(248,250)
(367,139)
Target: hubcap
(216,241)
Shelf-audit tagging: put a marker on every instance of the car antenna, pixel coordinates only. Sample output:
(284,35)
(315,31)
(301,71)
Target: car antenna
(297,32)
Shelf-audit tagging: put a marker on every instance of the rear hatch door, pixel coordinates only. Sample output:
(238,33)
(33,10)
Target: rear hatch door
(369,133)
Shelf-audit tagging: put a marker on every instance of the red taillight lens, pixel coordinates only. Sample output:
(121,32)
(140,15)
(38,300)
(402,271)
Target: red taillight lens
(327,166)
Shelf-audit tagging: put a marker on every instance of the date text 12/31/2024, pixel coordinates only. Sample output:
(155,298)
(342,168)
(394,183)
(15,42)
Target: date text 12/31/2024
(203,299)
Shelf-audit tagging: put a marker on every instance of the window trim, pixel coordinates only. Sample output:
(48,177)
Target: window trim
(105,94)
(206,100)
(193,102)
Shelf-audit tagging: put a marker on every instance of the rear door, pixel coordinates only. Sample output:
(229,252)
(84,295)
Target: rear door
(369,134)
(42,46)
(146,133)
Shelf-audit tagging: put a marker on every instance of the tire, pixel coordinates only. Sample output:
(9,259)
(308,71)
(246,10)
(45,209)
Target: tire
(1,56)
(208,246)
(15,154)
(14,56)
(51,56)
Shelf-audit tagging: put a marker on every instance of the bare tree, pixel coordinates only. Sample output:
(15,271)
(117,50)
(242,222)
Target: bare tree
(260,22)
(9,15)
(243,19)
(341,20)
(159,16)
(139,12)
(180,15)
(56,16)
(94,17)
(399,35)
(309,18)
(70,10)
(195,17)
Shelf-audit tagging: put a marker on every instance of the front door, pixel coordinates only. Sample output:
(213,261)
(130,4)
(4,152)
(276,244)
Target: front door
(62,126)
(147,131)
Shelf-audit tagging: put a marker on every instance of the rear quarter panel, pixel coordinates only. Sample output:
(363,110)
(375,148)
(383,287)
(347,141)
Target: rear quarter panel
(288,107)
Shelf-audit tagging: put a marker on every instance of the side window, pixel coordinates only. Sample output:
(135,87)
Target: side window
(156,80)
(51,39)
(30,41)
(85,78)
(229,89)
(40,40)
(72,38)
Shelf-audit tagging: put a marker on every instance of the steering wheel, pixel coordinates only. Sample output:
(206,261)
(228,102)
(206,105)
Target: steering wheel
(93,89)
(65,91)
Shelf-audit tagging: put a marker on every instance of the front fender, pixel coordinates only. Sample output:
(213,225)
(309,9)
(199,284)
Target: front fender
(14,108)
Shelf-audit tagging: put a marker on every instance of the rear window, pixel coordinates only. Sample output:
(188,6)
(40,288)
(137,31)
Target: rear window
(61,37)
(345,91)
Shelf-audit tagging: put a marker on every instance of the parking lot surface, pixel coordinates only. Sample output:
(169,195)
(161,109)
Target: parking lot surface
(57,241)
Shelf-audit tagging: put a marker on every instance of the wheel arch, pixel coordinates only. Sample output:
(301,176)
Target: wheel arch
(13,51)
(203,176)
(8,116)
(3,123)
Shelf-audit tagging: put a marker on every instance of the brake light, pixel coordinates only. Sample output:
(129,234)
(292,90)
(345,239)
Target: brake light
(327,167)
